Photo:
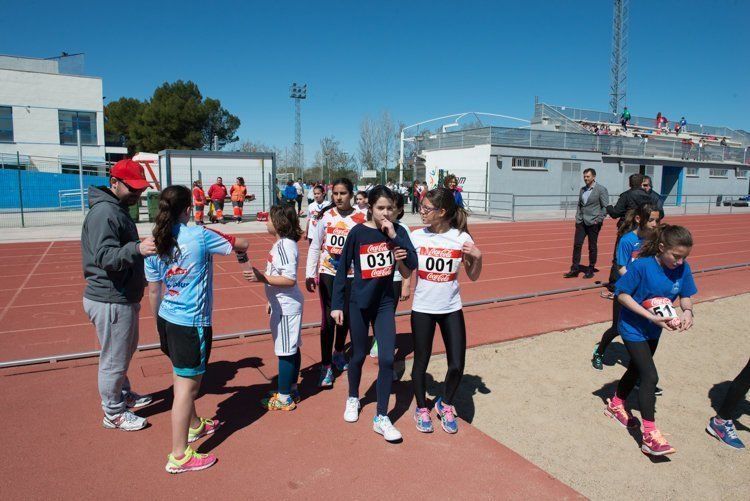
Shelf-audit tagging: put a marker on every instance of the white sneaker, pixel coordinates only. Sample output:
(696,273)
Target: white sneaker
(383,425)
(125,421)
(134,401)
(351,413)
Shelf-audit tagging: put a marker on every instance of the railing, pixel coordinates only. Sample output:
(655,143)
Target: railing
(577,114)
(513,207)
(610,145)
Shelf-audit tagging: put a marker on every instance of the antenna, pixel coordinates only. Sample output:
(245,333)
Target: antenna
(619,65)
(298,92)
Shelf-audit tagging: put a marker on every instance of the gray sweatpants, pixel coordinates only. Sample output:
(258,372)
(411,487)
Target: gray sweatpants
(117,329)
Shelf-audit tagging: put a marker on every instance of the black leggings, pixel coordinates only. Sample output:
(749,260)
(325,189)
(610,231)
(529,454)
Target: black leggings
(453,330)
(381,317)
(611,333)
(737,391)
(641,366)
(328,328)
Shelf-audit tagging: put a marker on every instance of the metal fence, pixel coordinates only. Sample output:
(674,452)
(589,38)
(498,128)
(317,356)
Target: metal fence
(577,114)
(512,207)
(610,145)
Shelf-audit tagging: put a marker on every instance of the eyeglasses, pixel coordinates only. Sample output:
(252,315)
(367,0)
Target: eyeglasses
(426,210)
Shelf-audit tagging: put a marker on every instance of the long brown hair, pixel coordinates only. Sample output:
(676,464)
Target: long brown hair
(172,202)
(636,219)
(442,198)
(286,222)
(669,235)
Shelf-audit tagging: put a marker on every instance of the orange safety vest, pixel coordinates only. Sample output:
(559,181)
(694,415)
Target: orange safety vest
(238,193)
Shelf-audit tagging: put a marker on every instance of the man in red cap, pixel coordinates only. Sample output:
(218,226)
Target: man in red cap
(115,279)
(217,193)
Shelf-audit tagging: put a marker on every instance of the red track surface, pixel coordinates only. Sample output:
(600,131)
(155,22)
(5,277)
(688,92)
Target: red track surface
(310,452)
(40,297)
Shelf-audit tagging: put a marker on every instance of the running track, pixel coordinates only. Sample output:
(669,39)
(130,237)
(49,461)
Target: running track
(40,295)
(310,453)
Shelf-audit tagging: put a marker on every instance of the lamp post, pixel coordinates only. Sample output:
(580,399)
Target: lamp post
(298,92)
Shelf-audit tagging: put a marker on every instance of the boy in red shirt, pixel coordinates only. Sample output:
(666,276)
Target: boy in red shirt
(218,193)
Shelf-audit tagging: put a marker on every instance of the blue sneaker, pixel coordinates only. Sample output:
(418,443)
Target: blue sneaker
(326,377)
(725,432)
(339,361)
(447,414)
(423,419)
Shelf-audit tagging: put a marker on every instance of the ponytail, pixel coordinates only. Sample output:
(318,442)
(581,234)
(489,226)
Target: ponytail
(670,236)
(442,198)
(172,202)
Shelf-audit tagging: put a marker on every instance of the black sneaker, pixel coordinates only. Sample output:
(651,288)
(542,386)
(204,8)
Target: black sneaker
(597,360)
(572,274)
(589,273)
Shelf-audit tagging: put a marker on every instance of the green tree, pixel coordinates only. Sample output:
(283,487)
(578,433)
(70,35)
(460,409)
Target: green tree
(178,117)
(220,123)
(118,117)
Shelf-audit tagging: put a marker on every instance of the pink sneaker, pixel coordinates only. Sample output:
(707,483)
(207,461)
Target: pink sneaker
(192,461)
(619,414)
(655,444)
(207,427)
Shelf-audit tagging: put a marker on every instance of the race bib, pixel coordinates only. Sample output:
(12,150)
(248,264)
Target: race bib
(376,260)
(335,239)
(439,265)
(660,306)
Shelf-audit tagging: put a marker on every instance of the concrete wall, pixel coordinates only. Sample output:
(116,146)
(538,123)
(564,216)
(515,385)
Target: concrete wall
(36,98)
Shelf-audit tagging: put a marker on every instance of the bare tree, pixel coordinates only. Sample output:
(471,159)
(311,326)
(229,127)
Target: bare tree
(331,161)
(386,137)
(369,154)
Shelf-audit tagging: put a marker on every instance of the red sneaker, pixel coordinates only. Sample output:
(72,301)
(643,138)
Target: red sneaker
(192,461)
(655,444)
(619,414)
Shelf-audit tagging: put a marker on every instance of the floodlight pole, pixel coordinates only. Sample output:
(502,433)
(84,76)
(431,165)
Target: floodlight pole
(298,92)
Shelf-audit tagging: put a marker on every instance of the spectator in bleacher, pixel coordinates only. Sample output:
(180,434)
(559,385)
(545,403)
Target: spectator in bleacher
(677,128)
(658,120)
(701,145)
(217,193)
(625,118)
(656,199)
(592,209)
(115,279)
(683,124)
(723,141)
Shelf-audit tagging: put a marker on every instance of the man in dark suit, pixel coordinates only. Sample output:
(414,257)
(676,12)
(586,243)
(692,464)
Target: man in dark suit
(592,209)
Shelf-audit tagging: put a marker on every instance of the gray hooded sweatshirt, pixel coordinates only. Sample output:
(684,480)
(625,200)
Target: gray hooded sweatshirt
(112,264)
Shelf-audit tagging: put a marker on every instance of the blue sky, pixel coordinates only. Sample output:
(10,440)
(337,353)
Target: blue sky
(415,59)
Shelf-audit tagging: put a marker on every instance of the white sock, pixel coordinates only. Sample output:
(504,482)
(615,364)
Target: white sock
(284,398)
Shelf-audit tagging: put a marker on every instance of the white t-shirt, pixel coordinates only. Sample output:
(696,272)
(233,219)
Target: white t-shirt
(328,241)
(313,209)
(397,274)
(300,189)
(440,257)
(282,262)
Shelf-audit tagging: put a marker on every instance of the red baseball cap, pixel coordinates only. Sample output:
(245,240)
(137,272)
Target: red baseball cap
(131,173)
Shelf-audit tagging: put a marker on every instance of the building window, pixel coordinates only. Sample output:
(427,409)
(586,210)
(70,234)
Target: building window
(529,163)
(692,172)
(742,173)
(6,124)
(72,120)
(88,170)
(718,173)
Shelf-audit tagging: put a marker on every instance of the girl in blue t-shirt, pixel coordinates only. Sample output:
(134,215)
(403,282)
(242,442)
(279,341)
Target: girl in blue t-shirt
(660,278)
(638,225)
(180,280)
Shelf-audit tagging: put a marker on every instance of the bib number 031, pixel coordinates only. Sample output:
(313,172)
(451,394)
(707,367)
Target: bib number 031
(376,260)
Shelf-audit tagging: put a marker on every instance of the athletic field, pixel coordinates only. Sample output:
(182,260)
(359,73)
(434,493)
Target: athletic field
(533,426)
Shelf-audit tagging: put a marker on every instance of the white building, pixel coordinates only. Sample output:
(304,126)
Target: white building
(42,104)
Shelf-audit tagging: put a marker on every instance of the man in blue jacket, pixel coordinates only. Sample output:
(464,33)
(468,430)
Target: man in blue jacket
(115,280)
